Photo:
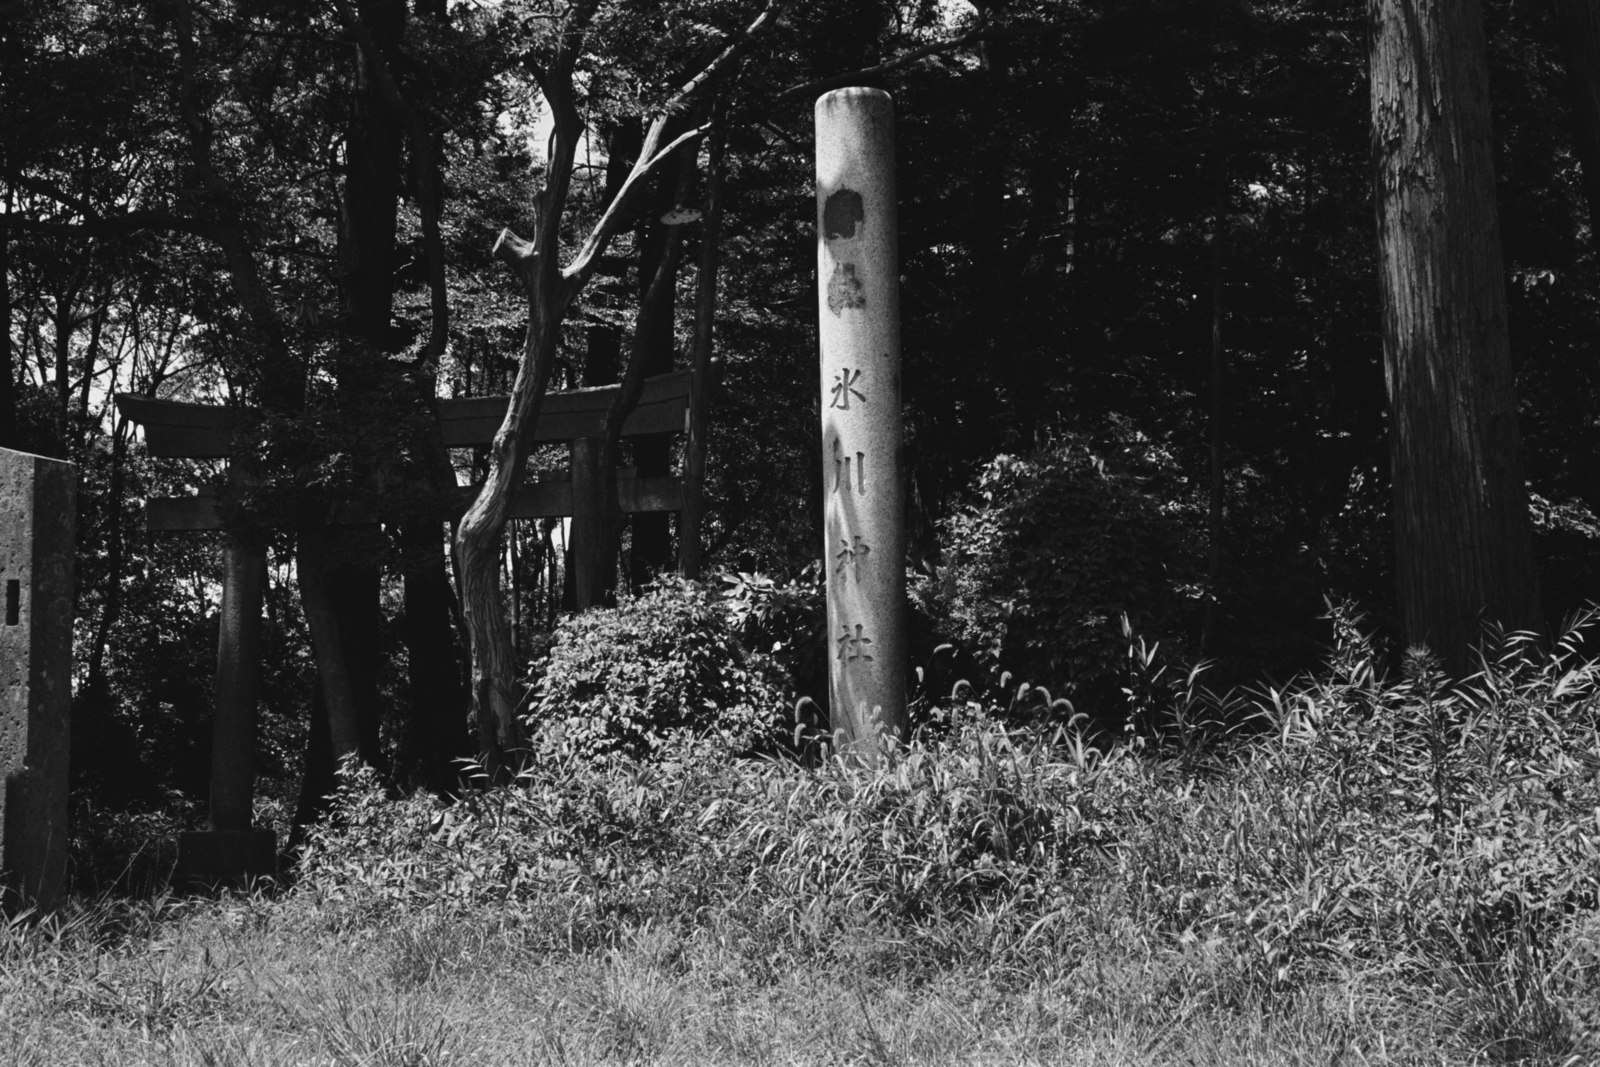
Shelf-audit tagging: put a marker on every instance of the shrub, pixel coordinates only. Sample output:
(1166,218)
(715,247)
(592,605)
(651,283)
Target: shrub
(571,856)
(623,679)
(786,619)
(1058,547)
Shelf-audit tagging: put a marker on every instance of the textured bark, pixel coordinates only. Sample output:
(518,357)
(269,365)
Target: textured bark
(438,697)
(651,549)
(592,560)
(478,537)
(705,315)
(651,353)
(1463,548)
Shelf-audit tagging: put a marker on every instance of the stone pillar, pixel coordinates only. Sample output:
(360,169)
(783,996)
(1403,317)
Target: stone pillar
(231,851)
(38,512)
(238,687)
(588,530)
(858,298)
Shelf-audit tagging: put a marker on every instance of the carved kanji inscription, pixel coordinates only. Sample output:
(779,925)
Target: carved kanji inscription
(853,551)
(844,387)
(842,463)
(854,646)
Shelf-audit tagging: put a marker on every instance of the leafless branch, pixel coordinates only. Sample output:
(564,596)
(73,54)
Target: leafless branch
(728,53)
(652,154)
(617,211)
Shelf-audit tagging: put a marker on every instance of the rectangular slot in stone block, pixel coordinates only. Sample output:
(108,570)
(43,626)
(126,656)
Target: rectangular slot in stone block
(38,503)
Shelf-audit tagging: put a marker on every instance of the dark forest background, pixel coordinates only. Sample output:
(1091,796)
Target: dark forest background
(1141,317)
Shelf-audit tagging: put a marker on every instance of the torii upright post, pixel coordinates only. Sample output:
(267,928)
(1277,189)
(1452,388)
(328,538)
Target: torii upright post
(858,300)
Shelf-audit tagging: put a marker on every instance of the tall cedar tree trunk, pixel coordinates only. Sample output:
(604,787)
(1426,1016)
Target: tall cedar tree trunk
(383,120)
(1463,547)
(599,539)
(338,572)
(705,315)
(651,549)
(1578,22)
(652,337)
(602,365)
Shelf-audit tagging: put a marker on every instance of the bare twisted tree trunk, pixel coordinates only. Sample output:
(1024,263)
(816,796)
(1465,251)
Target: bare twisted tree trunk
(550,291)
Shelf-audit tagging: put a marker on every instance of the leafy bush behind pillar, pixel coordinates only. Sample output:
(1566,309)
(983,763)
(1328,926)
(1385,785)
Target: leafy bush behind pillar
(1056,547)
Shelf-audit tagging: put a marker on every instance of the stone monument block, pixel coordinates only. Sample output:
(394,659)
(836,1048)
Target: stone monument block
(38,508)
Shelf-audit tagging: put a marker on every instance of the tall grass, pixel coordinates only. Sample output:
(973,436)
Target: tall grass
(1372,870)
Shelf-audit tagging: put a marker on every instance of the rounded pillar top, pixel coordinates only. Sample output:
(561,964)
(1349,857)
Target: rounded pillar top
(869,111)
(855,149)
(854,96)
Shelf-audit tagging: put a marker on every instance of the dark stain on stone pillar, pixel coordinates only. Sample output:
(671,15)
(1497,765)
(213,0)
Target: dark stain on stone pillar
(842,212)
(845,289)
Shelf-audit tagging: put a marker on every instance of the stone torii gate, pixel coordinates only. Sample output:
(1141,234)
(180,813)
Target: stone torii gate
(231,849)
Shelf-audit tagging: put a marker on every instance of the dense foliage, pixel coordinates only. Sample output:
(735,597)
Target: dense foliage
(1442,838)
(1056,550)
(665,663)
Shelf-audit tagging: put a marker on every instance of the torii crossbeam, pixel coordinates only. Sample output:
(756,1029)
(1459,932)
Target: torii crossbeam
(232,850)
